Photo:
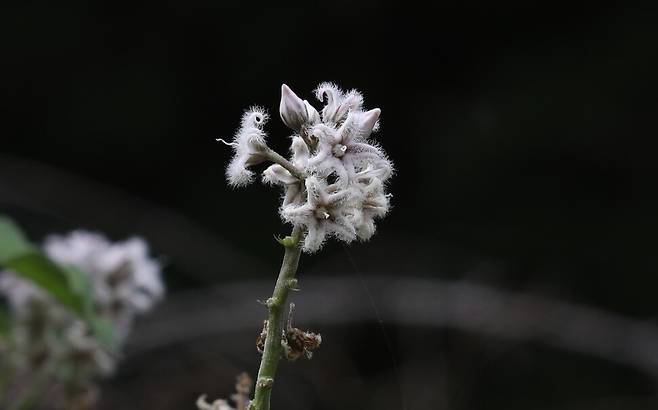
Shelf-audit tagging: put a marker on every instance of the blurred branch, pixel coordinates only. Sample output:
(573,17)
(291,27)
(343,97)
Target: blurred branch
(411,301)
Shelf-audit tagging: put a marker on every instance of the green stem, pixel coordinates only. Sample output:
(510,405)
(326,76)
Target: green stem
(276,304)
(278,159)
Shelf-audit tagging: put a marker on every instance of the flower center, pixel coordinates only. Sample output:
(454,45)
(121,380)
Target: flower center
(339,150)
(321,213)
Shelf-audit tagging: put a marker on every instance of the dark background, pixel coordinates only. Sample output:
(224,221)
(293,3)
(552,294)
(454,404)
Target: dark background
(522,138)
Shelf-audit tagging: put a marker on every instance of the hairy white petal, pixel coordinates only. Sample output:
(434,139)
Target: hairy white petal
(278,175)
(368,122)
(312,114)
(315,236)
(248,146)
(338,103)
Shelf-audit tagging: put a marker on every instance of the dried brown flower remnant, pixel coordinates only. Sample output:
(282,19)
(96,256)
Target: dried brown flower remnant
(298,342)
(260,340)
(295,342)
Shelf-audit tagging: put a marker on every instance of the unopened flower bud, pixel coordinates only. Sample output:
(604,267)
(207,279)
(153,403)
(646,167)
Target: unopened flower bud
(313,114)
(369,121)
(292,109)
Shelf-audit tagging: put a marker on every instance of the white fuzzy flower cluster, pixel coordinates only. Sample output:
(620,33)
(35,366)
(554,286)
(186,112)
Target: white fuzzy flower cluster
(125,282)
(334,182)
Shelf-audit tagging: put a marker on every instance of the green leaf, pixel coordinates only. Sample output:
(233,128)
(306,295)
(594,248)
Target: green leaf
(41,271)
(81,285)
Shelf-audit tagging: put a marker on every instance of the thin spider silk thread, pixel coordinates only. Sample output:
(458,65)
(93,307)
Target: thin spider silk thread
(380,322)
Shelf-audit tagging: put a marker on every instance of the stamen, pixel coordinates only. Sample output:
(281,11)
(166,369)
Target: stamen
(339,150)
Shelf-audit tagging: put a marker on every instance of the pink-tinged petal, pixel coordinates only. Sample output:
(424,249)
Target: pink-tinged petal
(361,147)
(349,129)
(368,122)
(312,113)
(366,229)
(323,152)
(297,213)
(292,109)
(337,197)
(326,134)
(293,195)
(300,152)
(276,174)
(351,102)
(314,192)
(342,229)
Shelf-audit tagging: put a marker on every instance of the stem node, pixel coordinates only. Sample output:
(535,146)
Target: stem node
(293,284)
(265,382)
(272,302)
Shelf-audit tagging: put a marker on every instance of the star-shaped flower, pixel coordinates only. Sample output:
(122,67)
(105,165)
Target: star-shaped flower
(325,213)
(346,150)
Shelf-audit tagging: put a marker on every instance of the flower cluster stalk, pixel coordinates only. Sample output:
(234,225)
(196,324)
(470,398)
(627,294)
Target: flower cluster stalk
(272,352)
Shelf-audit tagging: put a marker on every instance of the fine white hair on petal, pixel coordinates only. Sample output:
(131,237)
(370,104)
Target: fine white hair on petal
(255,116)
(278,175)
(345,150)
(337,102)
(328,91)
(373,203)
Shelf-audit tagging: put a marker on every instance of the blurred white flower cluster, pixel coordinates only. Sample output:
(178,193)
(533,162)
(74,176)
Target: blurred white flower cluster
(335,181)
(125,282)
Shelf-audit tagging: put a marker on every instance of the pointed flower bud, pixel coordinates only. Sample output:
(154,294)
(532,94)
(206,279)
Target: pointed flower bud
(313,114)
(292,109)
(369,123)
